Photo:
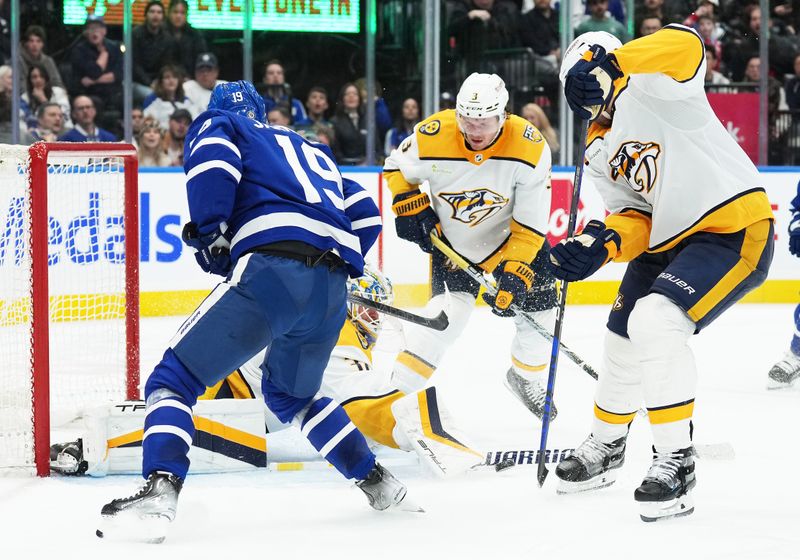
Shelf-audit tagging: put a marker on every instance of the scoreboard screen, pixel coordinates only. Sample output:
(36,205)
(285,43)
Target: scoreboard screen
(319,16)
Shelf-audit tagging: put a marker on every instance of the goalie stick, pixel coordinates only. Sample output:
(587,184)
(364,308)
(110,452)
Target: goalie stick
(476,274)
(438,323)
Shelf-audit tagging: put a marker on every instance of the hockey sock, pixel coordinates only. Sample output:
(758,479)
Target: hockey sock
(327,426)
(170,393)
(795,346)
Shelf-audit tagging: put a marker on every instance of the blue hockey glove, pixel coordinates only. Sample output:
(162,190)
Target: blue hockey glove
(514,279)
(415,218)
(581,256)
(794,235)
(212,250)
(590,83)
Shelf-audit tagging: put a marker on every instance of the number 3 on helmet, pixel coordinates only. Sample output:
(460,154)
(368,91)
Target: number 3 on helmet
(239,97)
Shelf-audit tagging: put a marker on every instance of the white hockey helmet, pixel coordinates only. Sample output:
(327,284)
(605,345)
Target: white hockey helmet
(373,286)
(581,44)
(482,96)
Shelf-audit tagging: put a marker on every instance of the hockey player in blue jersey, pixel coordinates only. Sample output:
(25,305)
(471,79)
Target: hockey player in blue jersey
(270,212)
(787,370)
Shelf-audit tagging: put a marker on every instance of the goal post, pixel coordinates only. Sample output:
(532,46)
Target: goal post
(69,289)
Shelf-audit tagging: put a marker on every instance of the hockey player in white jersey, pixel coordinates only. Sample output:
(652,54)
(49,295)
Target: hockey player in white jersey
(235,431)
(787,370)
(487,174)
(690,216)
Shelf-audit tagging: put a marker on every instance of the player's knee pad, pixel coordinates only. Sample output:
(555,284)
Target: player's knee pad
(425,347)
(326,425)
(657,326)
(530,351)
(618,394)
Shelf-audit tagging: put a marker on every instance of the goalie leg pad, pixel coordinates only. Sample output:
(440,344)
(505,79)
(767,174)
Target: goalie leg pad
(426,426)
(425,347)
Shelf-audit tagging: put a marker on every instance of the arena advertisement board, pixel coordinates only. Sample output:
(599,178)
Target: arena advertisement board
(172,283)
(318,16)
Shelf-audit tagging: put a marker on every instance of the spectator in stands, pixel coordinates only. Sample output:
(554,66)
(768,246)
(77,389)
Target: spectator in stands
(649,25)
(38,91)
(279,115)
(539,31)
(705,8)
(84,114)
(707,28)
(151,150)
(5,104)
(137,120)
(49,125)
(168,96)
(775,94)
(189,42)
(173,140)
(535,115)
(97,64)
(383,118)
(792,88)
(349,127)
(658,9)
(32,52)
(404,127)
(206,72)
(479,25)
(5,34)
(153,48)
(713,77)
(316,107)
(276,91)
(600,20)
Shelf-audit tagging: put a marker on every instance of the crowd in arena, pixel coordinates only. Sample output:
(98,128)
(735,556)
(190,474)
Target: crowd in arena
(175,69)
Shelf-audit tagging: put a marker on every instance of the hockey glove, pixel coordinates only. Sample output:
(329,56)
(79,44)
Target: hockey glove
(514,279)
(794,235)
(415,218)
(581,256)
(590,83)
(212,250)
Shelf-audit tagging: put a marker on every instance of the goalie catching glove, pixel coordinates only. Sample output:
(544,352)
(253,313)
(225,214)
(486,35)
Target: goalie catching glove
(212,250)
(415,218)
(590,83)
(514,279)
(581,256)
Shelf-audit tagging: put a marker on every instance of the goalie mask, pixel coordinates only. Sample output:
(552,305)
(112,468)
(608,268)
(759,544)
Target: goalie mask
(241,98)
(481,109)
(373,286)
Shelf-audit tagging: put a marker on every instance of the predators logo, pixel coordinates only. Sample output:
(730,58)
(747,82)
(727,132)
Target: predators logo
(637,163)
(474,206)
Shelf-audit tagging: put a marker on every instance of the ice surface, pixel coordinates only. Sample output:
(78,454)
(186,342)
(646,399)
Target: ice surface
(746,508)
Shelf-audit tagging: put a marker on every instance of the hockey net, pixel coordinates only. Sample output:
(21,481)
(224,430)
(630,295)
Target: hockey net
(69,307)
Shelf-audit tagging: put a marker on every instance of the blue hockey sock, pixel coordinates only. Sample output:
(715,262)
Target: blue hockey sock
(170,392)
(330,431)
(795,346)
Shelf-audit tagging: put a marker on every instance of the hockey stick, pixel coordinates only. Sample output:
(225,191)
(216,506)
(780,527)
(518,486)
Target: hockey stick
(438,323)
(541,473)
(476,274)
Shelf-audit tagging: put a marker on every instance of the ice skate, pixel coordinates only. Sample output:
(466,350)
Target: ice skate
(385,492)
(145,516)
(785,372)
(67,458)
(664,492)
(591,466)
(529,393)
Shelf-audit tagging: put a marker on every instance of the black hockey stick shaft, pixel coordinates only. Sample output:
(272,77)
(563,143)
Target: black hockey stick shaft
(438,323)
(542,471)
(476,274)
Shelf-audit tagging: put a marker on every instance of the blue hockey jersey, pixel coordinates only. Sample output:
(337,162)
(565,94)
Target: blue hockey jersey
(269,184)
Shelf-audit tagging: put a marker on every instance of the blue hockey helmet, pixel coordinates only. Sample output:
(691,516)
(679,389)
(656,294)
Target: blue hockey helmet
(239,97)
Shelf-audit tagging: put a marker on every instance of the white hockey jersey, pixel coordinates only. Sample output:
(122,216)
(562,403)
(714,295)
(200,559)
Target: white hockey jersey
(493,204)
(666,167)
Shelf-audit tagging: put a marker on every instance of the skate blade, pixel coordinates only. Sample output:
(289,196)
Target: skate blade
(774,385)
(603,481)
(407,506)
(660,511)
(132,528)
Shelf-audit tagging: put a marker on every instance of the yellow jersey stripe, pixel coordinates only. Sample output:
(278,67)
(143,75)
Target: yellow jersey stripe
(671,413)
(415,364)
(613,417)
(755,239)
(373,416)
(526,367)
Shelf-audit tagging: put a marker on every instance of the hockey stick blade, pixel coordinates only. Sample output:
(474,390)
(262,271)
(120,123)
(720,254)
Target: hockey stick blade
(438,323)
(476,274)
